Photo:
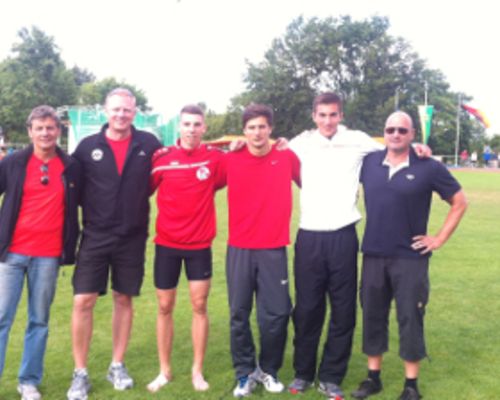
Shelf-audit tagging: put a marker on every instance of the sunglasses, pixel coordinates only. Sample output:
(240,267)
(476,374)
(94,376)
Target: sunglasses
(401,131)
(44,179)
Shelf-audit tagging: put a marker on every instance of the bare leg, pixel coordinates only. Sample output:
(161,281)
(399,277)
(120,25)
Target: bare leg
(412,369)
(82,326)
(375,363)
(122,324)
(199,330)
(165,328)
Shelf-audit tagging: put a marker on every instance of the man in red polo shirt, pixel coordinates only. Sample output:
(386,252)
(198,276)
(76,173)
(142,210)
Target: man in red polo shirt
(260,205)
(185,176)
(38,232)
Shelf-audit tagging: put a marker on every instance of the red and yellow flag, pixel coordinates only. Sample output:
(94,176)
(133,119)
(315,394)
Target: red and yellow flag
(478,114)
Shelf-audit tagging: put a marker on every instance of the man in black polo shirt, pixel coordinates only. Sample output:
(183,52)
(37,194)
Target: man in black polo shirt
(396,248)
(116,164)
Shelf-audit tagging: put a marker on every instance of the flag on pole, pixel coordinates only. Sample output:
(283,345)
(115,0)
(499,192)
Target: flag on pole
(478,114)
(425,113)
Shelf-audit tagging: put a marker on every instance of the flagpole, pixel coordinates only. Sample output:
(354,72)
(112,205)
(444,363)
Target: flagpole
(457,140)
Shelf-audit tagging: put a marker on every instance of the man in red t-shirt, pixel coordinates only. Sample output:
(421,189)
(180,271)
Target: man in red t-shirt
(186,178)
(38,232)
(260,205)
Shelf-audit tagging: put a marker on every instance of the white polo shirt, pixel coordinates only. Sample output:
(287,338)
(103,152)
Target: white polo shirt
(330,176)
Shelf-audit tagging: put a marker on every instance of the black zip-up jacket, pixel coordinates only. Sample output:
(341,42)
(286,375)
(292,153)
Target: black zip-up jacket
(12,177)
(114,203)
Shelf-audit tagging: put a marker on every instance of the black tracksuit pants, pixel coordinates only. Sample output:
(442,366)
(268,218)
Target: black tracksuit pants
(325,265)
(265,273)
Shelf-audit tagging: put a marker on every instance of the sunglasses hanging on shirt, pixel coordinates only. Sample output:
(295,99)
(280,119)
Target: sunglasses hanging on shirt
(44,179)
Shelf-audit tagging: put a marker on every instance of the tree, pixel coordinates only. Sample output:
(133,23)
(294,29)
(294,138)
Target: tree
(495,143)
(82,75)
(92,93)
(34,75)
(360,61)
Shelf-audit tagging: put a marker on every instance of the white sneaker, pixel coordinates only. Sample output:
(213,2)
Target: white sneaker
(119,377)
(244,387)
(80,386)
(156,384)
(271,384)
(28,392)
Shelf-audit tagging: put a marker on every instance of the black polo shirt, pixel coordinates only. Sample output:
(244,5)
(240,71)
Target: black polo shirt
(398,209)
(112,202)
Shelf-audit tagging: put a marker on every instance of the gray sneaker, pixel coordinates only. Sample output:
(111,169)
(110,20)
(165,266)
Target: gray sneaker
(28,392)
(331,390)
(271,383)
(119,377)
(299,386)
(80,386)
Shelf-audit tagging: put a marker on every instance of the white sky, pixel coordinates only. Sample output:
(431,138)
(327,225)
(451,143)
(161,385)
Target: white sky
(183,51)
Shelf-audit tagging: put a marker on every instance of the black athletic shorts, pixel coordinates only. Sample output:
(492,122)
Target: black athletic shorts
(102,252)
(168,262)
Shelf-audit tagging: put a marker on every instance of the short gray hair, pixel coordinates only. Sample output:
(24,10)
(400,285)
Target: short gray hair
(120,91)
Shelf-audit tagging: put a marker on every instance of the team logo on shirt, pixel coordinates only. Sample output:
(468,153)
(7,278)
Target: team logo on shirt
(97,154)
(410,177)
(202,173)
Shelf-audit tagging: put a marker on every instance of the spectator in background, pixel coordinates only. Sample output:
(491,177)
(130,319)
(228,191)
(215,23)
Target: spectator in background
(473,158)
(486,155)
(464,157)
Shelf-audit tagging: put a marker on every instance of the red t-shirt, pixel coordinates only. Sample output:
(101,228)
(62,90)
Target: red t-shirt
(259,196)
(186,182)
(39,227)
(119,148)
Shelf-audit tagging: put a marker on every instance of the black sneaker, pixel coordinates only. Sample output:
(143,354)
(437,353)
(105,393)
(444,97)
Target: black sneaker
(410,394)
(299,386)
(367,388)
(331,390)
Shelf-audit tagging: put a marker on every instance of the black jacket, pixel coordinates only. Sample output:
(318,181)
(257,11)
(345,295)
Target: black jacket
(114,203)
(12,176)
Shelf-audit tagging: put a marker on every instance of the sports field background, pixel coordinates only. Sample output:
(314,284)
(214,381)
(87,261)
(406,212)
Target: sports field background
(462,323)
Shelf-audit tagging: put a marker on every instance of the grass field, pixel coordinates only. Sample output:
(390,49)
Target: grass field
(462,323)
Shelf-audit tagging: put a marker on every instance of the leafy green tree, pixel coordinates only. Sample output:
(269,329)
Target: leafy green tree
(82,75)
(372,70)
(495,143)
(228,123)
(92,93)
(34,75)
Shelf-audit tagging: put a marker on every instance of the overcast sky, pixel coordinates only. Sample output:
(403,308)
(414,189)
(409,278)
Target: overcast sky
(182,51)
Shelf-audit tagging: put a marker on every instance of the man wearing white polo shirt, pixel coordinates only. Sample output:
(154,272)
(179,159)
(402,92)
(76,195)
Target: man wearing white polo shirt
(327,245)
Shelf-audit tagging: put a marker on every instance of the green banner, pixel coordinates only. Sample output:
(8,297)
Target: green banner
(425,114)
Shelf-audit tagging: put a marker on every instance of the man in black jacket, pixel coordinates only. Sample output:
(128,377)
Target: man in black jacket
(38,233)
(116,164)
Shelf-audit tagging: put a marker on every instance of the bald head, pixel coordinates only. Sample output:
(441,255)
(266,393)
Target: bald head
(398,133)
(399,115)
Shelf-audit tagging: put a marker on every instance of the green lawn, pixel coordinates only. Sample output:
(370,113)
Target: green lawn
(461,323)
